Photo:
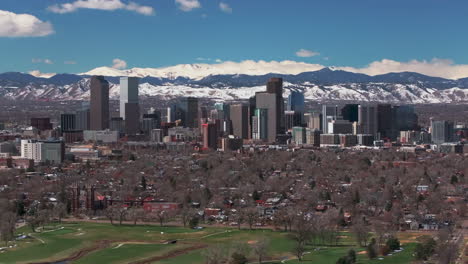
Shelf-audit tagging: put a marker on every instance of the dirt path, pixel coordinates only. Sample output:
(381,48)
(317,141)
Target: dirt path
(80,253)
(170,255)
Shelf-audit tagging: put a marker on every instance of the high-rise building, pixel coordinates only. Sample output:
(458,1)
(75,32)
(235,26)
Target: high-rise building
(405,118)
(83,119)
(151,121)
(240,120)
(386,122)
(117,124)
(210,138)
(275,86)
(269,101)
(314,120)
(132,118)
(128,93)
(442,132)
(68,122)
(41,123)
(296,102)
(367,123)
(340,126)
(99,115)
(329,113)
(187,110)
(350,112)
(260,124)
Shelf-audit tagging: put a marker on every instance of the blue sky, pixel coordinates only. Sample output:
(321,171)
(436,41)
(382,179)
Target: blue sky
(350,33)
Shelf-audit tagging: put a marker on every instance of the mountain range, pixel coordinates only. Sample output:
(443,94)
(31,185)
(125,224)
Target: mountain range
(323,84)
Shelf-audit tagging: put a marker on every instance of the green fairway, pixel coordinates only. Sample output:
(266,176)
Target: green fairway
(104,243)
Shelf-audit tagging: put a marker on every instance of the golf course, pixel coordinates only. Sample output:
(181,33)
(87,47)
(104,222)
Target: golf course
(85,242)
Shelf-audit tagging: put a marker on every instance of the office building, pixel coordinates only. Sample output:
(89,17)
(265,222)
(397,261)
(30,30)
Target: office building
(313,137)
(156,135)
(132,118)
(340,126)
(296,102)
(68,122)
(41,123)
(386,127)
(104,136)
(327,140)
(329,113)
(187,112)
(367,123)
(117,124)
(128,94)
(43,151)
(314,120)
(210,138)
(269,101)
(240,120)
(442,132)
(299,135)
(350,112)
(82,119)
(99,112)
(410,137)
(348,140)
(260,124)
(275,86)
(150,121)
(405,118)
(365,140)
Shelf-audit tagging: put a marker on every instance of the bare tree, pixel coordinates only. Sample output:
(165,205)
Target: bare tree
(260,248)
(362,233)
(135,213)
(7,226)
(251,216)
(215,255)
(59,211)
(301,235)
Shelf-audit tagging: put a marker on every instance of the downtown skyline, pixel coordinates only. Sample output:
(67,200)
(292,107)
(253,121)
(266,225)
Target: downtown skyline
(373,38)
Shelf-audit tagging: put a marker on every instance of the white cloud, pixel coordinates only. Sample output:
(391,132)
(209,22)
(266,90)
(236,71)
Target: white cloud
(435,67)
(37,73)
(23,25)
(119,64)
(303,53)
(218,61)
(188,5)
(69,62)
(225,7)
(46,61)
(107,5)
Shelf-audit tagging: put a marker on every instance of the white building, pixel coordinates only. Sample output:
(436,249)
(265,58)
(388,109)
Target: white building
(42,151)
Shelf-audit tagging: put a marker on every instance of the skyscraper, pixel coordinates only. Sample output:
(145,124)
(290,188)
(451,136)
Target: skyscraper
(275,86)
(367,123)
(132,118)
(329,113)
(67,122)
(99,114)
(260,124)
(240,120)
(296,102)
(386,122)
(268,101)
(442,132)
(188,111)
(350,112)
(210,136)
(128,93)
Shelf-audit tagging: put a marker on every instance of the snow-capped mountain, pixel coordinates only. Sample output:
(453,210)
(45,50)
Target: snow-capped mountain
(324,84)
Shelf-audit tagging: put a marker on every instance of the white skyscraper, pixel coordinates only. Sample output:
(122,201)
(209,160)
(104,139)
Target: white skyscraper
(128,92)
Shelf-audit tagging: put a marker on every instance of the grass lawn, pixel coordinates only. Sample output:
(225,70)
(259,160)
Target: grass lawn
(129,243)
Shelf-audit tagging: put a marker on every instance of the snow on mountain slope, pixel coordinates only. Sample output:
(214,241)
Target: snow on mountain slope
(374,92)
(199,71)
